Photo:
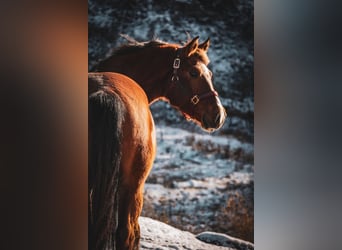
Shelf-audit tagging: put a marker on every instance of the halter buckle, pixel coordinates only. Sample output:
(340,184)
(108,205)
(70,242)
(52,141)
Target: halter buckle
(195,100)
(176,63)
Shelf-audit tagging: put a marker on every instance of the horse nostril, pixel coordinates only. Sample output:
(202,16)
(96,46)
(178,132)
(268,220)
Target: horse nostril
(218,118)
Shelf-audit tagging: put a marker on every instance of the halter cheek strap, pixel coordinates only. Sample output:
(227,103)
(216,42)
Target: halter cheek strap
(176,65)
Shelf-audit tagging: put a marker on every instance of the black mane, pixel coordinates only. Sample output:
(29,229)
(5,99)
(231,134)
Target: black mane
(134,46)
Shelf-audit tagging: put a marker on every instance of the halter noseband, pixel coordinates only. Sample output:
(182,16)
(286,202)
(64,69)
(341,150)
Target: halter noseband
(175,79)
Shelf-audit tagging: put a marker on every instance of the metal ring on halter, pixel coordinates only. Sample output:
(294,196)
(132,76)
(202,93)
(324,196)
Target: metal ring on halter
(195,100)
(175,78)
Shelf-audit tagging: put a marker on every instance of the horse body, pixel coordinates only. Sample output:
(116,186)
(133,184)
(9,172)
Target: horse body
(121,153)
(121,130)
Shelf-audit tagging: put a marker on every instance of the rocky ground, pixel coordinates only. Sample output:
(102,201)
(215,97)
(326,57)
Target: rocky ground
(199,182)
(157,235)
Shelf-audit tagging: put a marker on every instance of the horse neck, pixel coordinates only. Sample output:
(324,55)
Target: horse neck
(151,68)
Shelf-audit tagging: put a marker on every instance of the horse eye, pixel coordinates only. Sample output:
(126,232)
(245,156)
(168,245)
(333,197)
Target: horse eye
(194,73)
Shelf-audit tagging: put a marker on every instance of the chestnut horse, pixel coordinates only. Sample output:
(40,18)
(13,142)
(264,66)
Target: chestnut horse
(121,131)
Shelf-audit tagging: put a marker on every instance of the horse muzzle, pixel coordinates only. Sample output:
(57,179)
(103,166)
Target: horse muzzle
(214,121)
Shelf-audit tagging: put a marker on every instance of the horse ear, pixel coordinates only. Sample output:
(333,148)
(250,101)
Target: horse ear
(191,47)
(205,45)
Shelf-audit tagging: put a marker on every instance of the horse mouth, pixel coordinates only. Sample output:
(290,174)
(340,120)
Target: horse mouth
(206,125)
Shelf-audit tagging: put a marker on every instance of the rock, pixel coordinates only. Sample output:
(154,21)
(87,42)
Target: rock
(158,235)
(225,240)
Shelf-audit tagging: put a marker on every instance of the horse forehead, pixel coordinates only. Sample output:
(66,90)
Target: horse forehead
(206,75)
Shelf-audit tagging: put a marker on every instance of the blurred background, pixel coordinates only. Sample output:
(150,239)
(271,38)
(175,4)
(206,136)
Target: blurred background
(43,129)
(199,182)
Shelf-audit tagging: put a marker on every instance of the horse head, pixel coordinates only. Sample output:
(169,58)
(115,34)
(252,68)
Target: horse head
(191,89)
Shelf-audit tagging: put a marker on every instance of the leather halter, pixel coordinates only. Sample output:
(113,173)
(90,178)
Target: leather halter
(194,100)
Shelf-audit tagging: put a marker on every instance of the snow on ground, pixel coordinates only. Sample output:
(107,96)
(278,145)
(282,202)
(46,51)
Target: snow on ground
(196,155)
(195,176)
